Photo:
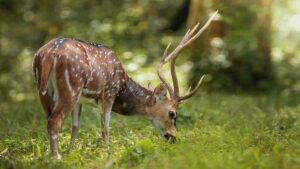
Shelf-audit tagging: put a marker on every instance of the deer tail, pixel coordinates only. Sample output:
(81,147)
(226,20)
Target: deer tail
(42,66)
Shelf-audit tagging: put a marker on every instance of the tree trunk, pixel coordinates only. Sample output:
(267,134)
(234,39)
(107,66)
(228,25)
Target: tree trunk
(200,47)
(263,33)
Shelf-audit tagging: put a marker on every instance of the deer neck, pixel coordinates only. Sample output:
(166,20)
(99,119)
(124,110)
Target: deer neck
(133,100)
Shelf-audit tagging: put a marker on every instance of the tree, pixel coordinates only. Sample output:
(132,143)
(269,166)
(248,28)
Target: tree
(200,48)
(235,53)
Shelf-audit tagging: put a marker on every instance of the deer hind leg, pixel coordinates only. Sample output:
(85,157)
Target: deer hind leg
(49,99)
(76,113)
(47,103)
(60,112)
(67,99)
(105,117)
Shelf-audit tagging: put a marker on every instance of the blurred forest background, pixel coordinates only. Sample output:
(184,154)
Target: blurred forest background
(250,46)
(246,115)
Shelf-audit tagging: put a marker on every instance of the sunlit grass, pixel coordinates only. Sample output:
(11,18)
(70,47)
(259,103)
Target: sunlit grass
(214,131)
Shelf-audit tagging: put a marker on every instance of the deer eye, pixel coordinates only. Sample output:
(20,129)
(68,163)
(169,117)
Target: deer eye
(171,114)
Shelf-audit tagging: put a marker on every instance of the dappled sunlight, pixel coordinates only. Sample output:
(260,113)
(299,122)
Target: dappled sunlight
(245,114)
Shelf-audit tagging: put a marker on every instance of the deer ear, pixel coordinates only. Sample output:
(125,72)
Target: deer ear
(160,91)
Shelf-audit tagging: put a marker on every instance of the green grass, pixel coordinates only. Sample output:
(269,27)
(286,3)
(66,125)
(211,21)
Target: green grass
(214,131)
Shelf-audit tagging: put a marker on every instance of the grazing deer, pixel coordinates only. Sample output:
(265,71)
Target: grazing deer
(66,69)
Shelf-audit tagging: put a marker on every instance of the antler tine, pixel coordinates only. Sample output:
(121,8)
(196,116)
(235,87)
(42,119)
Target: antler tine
(161,75)
(164,80)
(191,93)
(192,31)
(185,37)
(188,90)
(174,76)
(202,29)
(195,28)
(189,33)
(165,53)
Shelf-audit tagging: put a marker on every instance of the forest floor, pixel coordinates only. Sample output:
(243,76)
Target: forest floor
(213,131)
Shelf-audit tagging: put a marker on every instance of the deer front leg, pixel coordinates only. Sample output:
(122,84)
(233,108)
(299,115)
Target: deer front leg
(105,117)
(76,113)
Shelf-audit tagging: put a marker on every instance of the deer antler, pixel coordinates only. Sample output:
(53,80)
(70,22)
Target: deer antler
(189,37)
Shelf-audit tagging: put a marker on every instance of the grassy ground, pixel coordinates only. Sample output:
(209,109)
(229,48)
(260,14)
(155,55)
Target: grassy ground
(214,131)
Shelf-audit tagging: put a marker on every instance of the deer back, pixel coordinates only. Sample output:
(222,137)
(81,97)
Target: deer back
(80,67)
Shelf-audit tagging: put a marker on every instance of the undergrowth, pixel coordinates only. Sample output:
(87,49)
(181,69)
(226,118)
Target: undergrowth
(214,131)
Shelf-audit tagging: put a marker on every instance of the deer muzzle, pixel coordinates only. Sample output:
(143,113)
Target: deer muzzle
(170,138)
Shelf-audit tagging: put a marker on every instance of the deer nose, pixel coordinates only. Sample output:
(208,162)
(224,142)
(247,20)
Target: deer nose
(170,138)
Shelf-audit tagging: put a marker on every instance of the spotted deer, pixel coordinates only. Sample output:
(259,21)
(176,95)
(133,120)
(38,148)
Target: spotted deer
(66,69)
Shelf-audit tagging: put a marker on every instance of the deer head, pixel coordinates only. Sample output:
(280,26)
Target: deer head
(163,112)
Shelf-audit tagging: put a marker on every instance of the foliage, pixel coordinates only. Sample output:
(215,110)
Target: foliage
(252,48)
(214,131)
(285,53)
(138,30)
(131,28)
(239,54)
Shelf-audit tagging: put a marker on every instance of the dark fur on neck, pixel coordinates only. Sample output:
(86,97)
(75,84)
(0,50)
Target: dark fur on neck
(133,99)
